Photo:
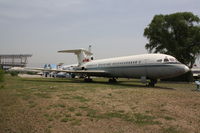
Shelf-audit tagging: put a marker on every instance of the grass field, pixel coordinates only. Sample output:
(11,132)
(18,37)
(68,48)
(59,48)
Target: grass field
(39,105)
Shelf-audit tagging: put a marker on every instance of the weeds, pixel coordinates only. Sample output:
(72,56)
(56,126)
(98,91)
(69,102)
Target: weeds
(80,98)
(61,105)
(1,75)
(143,119)
(78,114)
(171,130)
(1,86)
(32,104)
(64,119)
(140,119)
(71,109)
(92,113)
(67,119)
(48,117)
(168,118)
(13,73)
(42,95)
(76,122)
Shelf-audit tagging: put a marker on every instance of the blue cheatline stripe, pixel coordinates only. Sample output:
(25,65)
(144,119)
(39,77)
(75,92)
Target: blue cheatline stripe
(138,66)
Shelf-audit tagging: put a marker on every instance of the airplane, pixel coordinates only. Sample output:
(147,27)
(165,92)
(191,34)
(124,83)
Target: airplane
(196,72)
(49,70)
(49,67)
(144,66)
(64,74)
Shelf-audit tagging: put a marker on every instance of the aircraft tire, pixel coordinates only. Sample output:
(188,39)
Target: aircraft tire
(88,80)
(152,82)
(113,80)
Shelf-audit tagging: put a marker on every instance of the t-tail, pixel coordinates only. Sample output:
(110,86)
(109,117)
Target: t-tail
(83,55)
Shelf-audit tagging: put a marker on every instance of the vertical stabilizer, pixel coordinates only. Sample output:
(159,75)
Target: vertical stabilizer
(83,55)
(90,48)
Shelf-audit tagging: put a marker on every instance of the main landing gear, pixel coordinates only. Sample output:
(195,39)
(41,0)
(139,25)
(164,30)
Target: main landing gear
(152,82)
(112,80)
(88,79)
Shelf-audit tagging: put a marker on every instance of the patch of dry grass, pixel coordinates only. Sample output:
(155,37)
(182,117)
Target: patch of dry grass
(60,105)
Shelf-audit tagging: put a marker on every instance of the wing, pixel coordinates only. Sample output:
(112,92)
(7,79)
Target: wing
(84,72)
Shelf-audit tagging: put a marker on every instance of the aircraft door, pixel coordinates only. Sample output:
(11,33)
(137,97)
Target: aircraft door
(146,62)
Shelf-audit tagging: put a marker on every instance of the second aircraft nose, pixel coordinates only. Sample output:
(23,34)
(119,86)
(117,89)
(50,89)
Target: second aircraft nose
(185,68)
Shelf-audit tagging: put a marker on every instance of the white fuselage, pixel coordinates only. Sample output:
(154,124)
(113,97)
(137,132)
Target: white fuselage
(153,66)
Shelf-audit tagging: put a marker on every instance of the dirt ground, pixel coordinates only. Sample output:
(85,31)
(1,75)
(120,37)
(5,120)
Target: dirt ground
(39,105)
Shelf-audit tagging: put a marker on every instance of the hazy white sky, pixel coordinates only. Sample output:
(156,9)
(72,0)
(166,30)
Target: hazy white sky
(112,27)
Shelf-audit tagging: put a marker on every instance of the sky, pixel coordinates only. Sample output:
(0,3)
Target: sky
(113,27)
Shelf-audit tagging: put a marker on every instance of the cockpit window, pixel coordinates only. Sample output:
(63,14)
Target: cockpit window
(172,59)
(166,60)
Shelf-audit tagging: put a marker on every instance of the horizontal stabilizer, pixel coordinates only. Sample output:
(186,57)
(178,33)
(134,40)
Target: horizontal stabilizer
(76,51)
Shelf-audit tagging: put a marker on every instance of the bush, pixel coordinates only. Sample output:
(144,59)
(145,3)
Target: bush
(32,73)
(14,73)
(1,75)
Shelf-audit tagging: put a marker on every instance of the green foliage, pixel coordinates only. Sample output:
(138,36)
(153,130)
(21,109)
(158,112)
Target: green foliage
(1,86)
(1,75)
(42,95)
(168,118)
(48,117)
(142,119)
(71,109)
(32,104)
(14,73)
(64,120)
(32,73)
(175,34)
(80,98)
(92,113)
(76,122)
(78,114)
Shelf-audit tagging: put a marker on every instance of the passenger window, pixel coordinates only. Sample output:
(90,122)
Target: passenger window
(160,60)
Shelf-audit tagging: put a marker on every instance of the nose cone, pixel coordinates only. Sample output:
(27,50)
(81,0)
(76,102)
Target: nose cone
(181,69)
(185,69)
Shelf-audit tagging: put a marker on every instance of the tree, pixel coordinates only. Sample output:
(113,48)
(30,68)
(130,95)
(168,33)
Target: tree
(175,34)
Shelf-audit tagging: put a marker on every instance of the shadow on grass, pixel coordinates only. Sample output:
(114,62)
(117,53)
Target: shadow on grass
(129,83)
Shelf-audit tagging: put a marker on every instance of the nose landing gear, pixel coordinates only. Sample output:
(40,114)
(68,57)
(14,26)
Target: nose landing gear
(87,79)
(152,82)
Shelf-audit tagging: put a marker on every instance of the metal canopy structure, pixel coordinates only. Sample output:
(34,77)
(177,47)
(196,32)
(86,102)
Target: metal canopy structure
(14,60)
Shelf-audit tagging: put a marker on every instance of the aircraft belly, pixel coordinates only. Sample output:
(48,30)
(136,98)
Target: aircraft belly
(155,72)
(132,72)
(161,71)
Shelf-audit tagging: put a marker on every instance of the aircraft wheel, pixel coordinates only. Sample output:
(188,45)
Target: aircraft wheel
(73,76)
(152,82)
(88,80)
(113,80)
